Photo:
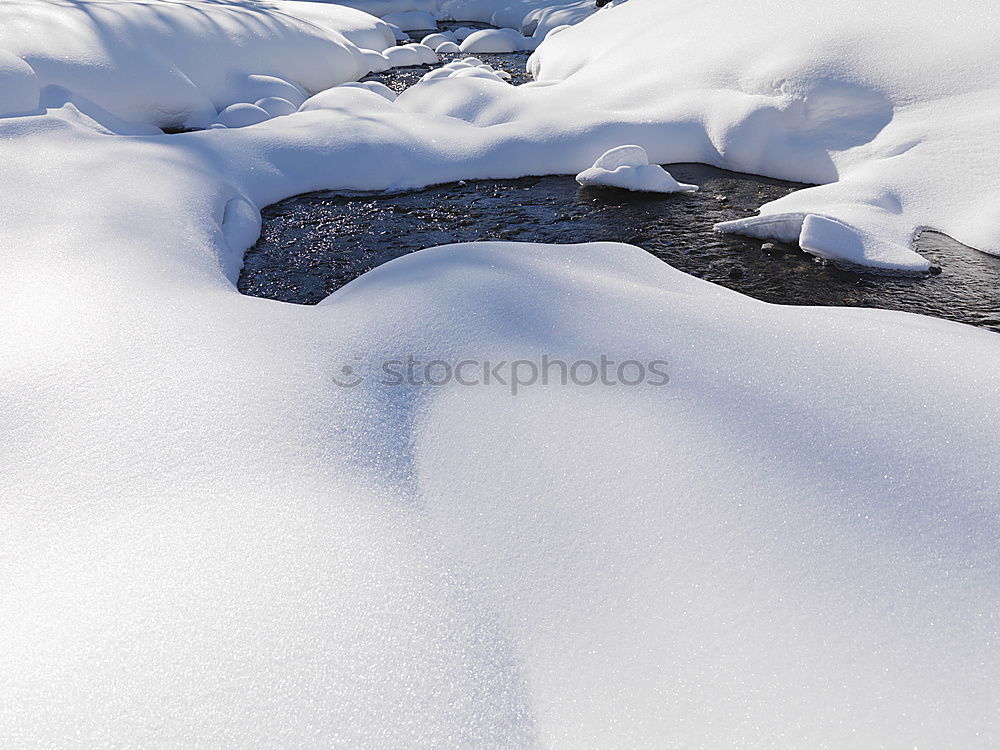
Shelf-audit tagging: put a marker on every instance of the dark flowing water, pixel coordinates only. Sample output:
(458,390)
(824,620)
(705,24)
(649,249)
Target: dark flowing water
(313,244)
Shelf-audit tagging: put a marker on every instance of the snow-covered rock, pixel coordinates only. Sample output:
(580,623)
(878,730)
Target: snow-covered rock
(447,48)
(438,38)
(496,41)
(470,67)
(276,106)
(464,32)
(628,167)
(242,114)
(255,87)
(410,55)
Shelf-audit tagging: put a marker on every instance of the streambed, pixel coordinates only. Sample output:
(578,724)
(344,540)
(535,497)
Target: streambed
(313,244)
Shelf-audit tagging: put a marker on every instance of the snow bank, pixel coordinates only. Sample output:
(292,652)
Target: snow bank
(361,29)
(496,41)
(543,19)
(628,167)
(385,7)
(438,38)
(19,90)
(413,20)
(207,542)
(533,17)
(216,531)
(176,64)
(899,139)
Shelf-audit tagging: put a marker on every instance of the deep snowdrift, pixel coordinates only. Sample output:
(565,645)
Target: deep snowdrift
(204,541)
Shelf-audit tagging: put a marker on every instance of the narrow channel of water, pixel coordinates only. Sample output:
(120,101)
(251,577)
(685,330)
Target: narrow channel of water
(313,244)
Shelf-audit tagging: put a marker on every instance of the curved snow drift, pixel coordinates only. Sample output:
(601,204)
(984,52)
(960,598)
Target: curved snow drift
(207,541)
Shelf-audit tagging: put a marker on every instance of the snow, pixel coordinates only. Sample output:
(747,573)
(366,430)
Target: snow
(206,542)
(19,90)
(470,67)
(411,55)
(541,20)
(413,20)
(628,167)
(489,40)
(496,41)
(241,115)
(438,38)
(358,27)
(896,140)
(379,88)
(276,106)
(174,64)
(382,8)
(533,17)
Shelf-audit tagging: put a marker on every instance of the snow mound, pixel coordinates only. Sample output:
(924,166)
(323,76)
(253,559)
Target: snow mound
(463,32)
(175,64)
(361,29)
(413,20)
(438,38)
(241,115)
(374,86)
(496,41)
(411,55)
(19,89)
(541,21)
(207,542)
(832,240)
(447,48)
(470,67)
(628,167)
(260,86)
(385,7)
(530,16)
(276,106)
(894,141)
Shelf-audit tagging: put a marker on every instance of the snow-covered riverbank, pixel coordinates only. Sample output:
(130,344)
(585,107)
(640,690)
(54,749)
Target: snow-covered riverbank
(205,541)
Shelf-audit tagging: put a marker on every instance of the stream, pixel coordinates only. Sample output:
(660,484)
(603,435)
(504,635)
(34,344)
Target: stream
(313,244)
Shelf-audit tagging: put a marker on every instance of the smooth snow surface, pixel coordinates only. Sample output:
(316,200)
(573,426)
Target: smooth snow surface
(628,167)
(206,542)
